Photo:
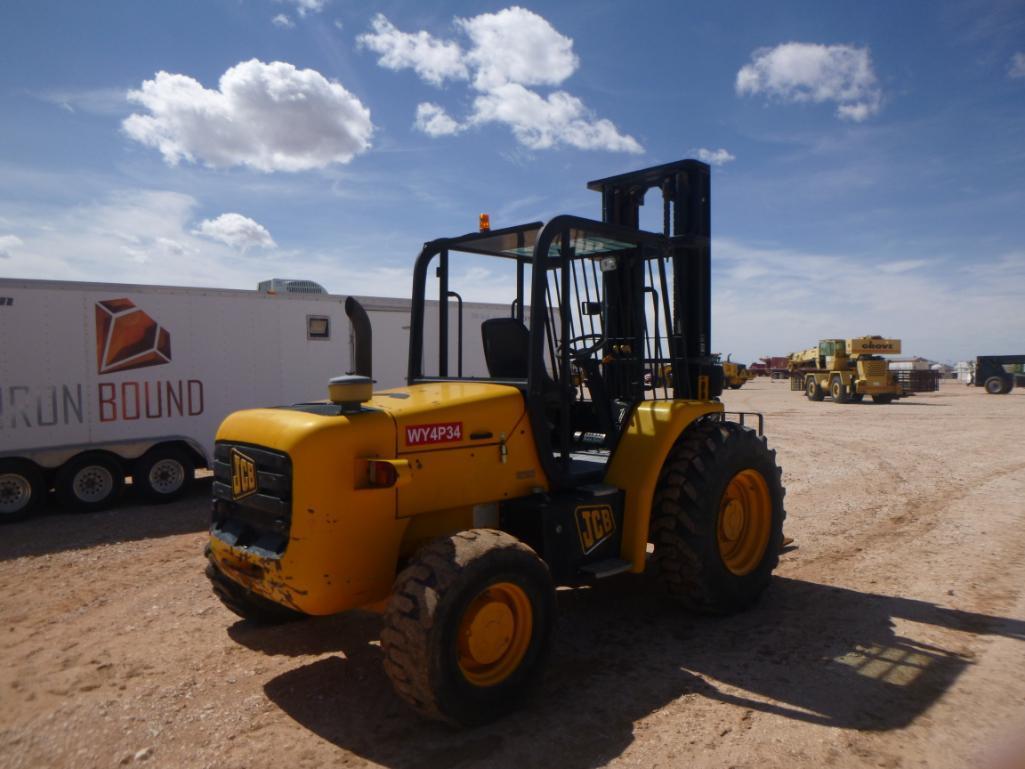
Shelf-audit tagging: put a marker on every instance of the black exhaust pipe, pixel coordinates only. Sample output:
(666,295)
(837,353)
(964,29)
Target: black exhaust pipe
(362,352)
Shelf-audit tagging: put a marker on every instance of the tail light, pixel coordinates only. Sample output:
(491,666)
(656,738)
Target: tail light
(382,474)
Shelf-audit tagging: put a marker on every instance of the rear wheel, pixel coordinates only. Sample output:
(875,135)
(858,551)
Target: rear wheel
(883,398)
(812,389)
(22,489)
(466,632)
(996,385)
(247,604)
(857,397)
(90,481)
(838,391)
(717,518)
(164,473)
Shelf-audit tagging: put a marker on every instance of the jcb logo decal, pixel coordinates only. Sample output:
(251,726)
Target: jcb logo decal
(595,524)
(243,475)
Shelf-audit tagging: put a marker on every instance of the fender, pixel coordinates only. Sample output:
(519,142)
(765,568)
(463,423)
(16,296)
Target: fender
(647,438)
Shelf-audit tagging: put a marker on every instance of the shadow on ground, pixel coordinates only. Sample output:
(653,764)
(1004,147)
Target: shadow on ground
(807,652)
(53,529)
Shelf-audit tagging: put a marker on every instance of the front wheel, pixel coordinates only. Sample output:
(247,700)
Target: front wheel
(717,518)
(22,489)
(466,632)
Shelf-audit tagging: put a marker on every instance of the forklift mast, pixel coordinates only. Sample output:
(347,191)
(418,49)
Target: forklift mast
(686,221)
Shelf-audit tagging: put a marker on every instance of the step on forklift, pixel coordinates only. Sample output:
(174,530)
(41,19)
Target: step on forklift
(456,504)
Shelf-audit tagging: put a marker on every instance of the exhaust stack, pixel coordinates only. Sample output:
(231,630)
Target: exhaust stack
(362,352)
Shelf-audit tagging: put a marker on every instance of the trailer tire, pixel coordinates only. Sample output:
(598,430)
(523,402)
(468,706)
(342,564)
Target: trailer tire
(467,630)
(164,474)
(838,391)
(883,398)
(812,389)
(89,482)
(717,518)
(247,604)
(996,385)
(22,489)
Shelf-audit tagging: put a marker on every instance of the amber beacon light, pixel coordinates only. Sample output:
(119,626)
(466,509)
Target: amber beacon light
(485,223)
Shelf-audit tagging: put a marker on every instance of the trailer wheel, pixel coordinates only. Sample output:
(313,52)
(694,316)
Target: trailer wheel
(812,389)
(164,473)
(22,489)
(882,398)
(88,482)
(467,630)
(717,518)
(838,391)
(247,604)
(996,385)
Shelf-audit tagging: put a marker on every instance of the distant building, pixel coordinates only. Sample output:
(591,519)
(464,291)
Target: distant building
(910,364)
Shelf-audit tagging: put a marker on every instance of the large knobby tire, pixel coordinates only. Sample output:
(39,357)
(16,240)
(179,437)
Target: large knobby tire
(717,518)
(90,481)
(857,397)
(247,604)
(467,630)
(838,391)
(883,398)
(812,389)
(164,474)
(22,489)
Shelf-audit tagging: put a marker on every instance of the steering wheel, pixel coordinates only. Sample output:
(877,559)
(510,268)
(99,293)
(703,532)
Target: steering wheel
(585,350)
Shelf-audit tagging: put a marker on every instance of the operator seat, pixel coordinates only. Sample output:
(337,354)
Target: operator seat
(506,347)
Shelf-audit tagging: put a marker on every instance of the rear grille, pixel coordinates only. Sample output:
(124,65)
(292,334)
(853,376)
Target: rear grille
(259,519)
(874,369)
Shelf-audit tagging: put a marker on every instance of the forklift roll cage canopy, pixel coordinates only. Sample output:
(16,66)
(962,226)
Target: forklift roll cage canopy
(640,300)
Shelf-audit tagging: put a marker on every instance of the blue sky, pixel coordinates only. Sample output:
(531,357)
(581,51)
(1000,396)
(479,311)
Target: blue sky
(868,158)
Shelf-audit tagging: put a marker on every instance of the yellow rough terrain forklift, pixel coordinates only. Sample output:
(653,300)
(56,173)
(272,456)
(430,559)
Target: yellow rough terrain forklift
(456,504)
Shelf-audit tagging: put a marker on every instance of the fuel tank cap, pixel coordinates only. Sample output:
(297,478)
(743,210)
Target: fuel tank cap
(350,390)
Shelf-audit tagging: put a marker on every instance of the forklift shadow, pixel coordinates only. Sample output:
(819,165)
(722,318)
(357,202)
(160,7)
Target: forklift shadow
(808,652)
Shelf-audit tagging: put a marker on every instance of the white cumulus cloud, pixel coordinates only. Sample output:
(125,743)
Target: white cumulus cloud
(542,123)
(432,59)
(1017,68)
(7,244)
(270,117)
(434,121)
(717,157)
(236,231)
(517,46)
(506,52)
(810,72)
(282,20)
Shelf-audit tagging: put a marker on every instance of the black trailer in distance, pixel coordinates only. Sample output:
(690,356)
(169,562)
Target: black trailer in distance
(991,374)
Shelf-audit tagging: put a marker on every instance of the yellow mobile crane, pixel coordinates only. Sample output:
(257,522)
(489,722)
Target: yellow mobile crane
(847,370)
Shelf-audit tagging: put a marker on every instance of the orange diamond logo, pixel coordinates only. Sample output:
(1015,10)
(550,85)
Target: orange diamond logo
(127,338)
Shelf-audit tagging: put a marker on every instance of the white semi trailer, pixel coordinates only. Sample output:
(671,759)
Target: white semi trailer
(100,382)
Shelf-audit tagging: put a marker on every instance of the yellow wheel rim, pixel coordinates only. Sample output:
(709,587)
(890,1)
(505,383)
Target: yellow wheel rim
(745,521)
(494,634)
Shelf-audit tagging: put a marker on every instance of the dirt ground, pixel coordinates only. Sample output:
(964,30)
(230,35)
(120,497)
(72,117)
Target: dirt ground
(893,636)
